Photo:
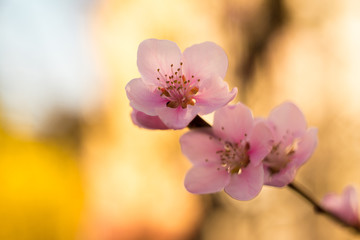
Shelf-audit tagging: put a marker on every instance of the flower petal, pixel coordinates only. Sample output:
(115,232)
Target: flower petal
(259,142)
(206,179)
(248,184)
(281,178)
(143,98)
(306,147)
(233,122)
(345,206)
(214,95)
(177,118)
(288,117)
(204,61)
(286,175)
(156,54)
(146,121)
(200,147)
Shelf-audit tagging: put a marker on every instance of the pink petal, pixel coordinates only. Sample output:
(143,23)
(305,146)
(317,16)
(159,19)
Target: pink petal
(233,122)
(146,121)
(248,184)
(156,54)
(345,206)
(200,147)
(214,95)
(286,175)
(259,142)
(177,118)
(280,179)
(142,97)
(351,197)
(306,147)
(204,61)
(206,179)
(288,116)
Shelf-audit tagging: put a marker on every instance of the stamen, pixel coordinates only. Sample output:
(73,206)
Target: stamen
(234,157)
(194,90)
(176,88)
(192,102)
(164,92)
(280,156)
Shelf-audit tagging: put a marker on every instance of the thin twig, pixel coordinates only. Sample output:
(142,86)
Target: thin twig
(198,122)
(317,206)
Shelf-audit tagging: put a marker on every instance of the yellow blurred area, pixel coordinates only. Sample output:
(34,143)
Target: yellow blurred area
(103,178)
(41,190)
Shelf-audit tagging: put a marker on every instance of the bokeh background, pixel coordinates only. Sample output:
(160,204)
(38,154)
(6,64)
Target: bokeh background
(72,164)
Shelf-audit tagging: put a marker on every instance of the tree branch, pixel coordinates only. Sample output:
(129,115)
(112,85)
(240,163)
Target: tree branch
(317,206)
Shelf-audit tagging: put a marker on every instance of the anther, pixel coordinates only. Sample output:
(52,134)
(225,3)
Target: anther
(164,92)
(194,90)
(192,102)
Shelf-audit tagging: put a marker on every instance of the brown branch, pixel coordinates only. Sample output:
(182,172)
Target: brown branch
(317,206)
(198,122)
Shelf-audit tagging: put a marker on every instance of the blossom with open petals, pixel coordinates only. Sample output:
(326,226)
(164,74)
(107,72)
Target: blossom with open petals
(229,155)
(292,144)
(177,86)
(344,206)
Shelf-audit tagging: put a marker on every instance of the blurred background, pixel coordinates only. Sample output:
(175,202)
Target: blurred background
(72,164)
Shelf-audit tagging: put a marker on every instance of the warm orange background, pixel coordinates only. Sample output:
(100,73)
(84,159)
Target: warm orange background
(96,176)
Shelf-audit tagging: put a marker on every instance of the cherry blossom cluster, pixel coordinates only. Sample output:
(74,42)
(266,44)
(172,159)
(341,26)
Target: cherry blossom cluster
(240,153)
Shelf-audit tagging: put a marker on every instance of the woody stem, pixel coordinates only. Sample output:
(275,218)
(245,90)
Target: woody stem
(198,122)
(317,206)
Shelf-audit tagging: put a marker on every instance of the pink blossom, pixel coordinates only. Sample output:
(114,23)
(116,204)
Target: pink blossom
(175,86)
(229,155)
(145,121)
(344,206)
(292,144)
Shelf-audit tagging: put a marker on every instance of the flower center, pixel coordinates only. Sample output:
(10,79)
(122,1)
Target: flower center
(234,156)
(178,90)
(280,156)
